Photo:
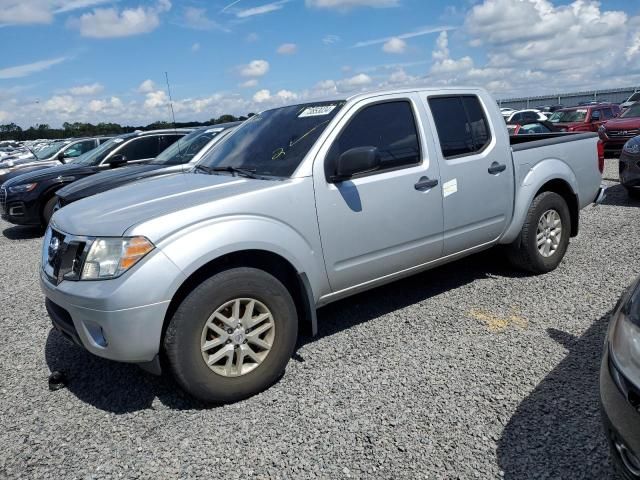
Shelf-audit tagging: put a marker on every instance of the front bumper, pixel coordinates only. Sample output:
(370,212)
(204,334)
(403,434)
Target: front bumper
(119,319)
(621,419)
(17,211)
(629,169)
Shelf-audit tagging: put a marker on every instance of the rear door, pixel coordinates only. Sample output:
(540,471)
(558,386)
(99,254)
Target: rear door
(381,222)
(476,170)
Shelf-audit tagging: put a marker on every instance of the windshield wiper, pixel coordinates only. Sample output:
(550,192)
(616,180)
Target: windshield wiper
(245,172)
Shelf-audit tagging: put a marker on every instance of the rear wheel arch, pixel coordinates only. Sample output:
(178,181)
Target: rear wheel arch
(562,188)
(264,260)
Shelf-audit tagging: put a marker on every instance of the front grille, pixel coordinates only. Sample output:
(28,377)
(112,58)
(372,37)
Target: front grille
(3,200)
(623,133)
(63,257)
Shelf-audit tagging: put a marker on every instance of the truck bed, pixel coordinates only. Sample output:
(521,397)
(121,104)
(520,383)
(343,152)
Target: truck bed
(535,140)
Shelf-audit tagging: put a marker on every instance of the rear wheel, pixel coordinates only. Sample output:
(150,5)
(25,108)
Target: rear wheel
(232,336)
(544,238)
(48,210)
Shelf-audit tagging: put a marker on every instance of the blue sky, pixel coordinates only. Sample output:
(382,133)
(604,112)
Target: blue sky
(104,60)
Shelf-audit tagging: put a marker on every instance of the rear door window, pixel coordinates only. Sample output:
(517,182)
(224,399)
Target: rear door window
(461,123)
(79,148)
(140,148)
(167,140)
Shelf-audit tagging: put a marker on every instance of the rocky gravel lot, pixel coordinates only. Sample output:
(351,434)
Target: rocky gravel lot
(471,370)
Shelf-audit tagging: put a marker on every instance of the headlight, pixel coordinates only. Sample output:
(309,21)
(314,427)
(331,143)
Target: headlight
(111,257)
(632,147)
(27,187)
(625,340)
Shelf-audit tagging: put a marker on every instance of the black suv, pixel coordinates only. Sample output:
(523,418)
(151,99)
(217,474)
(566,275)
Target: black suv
(29,198)
(53,154)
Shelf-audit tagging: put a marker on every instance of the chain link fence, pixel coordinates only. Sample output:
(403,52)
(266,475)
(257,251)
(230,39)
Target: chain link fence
(613,95)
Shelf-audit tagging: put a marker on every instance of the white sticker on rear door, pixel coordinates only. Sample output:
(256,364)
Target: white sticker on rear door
(450,187)
(316,111)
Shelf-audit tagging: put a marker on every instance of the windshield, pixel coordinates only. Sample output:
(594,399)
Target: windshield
(565,116)
(631,112)
(95,156)
(273,143)
(50,150)
(187,147)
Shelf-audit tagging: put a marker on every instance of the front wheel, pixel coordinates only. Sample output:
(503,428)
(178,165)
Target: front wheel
(232,336)
(544,238)
(48,210)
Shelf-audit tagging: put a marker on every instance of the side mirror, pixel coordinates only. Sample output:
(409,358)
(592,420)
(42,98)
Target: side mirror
(356,160)
(595,117)
(117,160)
(61,157)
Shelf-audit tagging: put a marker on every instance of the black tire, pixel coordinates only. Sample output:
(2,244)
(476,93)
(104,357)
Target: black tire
(47,211)
(523,253)
(182,341)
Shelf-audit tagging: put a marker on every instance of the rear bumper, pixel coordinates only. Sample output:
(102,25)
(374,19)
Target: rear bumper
(621,421)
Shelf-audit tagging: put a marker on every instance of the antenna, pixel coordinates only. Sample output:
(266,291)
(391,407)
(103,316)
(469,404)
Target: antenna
(173,115)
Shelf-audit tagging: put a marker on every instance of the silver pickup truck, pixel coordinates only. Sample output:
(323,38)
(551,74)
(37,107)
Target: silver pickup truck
(212,272)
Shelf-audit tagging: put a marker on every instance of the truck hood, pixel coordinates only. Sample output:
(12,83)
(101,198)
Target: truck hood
(113,212)
(103,181)
(623,123)
(39,175)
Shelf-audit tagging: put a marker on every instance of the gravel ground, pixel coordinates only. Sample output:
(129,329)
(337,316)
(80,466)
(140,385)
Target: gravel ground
(468,371)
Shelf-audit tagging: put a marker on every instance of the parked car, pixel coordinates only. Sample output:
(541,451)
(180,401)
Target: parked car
(629,167)
(507,112)
(301,206)
(548,109)
(620,384)
(56,153)
(526,116)
(529,128)
(618,131)
(29,198)
(584,119)
(633,98)
(179,157)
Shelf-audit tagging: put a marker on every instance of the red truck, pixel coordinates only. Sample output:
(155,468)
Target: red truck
(616,132)
(587,118)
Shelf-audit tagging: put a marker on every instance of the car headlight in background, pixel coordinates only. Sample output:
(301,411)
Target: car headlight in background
(26,187)
(632,147)
(111,257)
(625,340)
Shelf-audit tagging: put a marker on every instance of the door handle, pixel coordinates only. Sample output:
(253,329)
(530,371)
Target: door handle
(496,168)
(425,183)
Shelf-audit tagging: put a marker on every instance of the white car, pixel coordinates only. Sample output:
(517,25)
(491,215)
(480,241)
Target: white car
(635,97)
(528,116)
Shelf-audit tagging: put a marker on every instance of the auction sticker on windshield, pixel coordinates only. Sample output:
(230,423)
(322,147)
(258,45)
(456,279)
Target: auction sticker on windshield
(316,111)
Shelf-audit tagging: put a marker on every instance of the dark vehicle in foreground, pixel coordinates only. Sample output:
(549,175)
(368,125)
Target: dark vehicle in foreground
(618,131)
(620,384)
(57,153)
(583,119)
(629,167)
(179,157)
(29,198)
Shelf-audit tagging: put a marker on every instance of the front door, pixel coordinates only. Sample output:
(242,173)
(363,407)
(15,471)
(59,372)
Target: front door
(476,171)
(381,222)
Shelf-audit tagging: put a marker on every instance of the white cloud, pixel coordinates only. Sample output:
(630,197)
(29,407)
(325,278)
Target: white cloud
(29,68)
(197,19)
(109,107)
(252,37)
(255,68)
(344,5)
(25,12)
(156,99)
(4,116)
(353,83)
(262,96)
(249,83)
(287,49)
(91,89)
(394,45)
(62,105)
(262,9)
(195,47)
(147,86)
(403,36)
(113,23)
(330,39)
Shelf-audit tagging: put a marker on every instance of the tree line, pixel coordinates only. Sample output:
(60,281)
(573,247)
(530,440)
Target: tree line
(11,131)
